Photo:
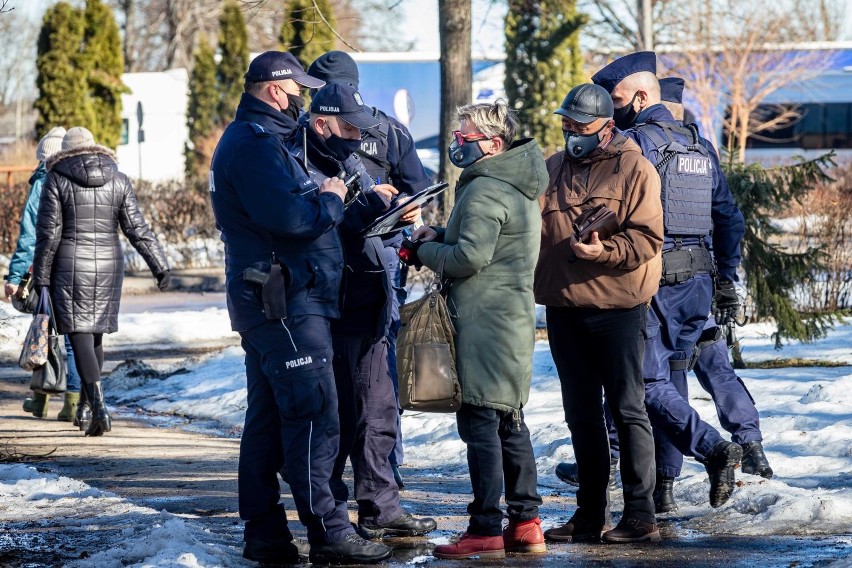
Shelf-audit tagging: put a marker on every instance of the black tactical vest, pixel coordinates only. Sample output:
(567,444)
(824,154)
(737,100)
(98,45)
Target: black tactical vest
(686,173)
(374,148)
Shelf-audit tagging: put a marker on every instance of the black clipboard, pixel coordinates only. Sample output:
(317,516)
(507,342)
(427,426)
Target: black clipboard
(389,221)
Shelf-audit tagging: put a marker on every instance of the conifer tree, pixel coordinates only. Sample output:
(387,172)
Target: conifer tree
(771,271)
(61,79)
(543,63)
(307,30)
(201,115)
(234,53)
(103,61)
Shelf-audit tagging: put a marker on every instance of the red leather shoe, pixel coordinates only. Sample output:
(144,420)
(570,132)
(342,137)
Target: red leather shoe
(470,545)
(524,537)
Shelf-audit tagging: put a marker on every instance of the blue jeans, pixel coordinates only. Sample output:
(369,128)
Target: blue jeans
(73,380)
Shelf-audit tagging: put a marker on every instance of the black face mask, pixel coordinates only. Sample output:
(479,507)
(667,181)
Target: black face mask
(580,145)
(342,148)
(625,116)
(294,106)
(464,155)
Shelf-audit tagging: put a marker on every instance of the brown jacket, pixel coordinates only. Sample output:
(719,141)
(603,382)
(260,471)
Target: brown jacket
(627,273)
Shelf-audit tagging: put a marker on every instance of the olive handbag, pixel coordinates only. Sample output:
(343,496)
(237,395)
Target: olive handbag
(426,353)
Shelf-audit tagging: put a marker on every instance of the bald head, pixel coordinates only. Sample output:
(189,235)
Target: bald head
(644,82)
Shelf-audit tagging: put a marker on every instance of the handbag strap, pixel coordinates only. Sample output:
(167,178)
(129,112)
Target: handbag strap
(438,283)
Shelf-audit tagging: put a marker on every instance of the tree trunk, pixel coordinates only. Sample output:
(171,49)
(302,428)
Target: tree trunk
(129,9)
(456,81)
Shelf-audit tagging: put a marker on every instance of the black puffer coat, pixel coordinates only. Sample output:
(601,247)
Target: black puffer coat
(84,202)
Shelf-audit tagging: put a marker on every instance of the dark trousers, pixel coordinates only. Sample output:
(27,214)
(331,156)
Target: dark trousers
(391,258)
(88,350)
(734,404)
(498,450)
(368,425)
(600,352)
(675,321)
(292,411)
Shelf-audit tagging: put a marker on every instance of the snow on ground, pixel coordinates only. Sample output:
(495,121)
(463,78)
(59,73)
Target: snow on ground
(146,537)
(806,417)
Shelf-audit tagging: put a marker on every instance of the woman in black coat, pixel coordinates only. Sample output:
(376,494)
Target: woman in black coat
(84,202)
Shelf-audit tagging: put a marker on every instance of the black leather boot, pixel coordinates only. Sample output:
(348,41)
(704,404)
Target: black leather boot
(101,422)
(754,460)
(663,495)
(83,418)
(720,467)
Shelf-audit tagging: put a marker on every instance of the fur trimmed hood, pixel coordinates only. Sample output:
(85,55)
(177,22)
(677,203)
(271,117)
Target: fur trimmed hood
(87,166)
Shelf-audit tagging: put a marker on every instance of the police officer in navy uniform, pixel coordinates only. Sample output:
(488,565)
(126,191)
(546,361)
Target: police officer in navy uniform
(328,142)
(699,216)
(388,152)
(283,265)
(712,366)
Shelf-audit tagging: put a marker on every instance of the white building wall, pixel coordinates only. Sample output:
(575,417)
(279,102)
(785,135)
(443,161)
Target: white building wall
(164,99)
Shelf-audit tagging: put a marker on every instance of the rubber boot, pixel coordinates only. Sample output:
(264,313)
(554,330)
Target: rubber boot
(69,409)
(37,405)
(84,412)
(101,422)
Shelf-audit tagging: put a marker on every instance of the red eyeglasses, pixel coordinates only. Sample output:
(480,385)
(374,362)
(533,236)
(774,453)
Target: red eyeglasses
(462,138)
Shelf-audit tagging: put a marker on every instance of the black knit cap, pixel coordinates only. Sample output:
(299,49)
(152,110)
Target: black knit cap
(335,67)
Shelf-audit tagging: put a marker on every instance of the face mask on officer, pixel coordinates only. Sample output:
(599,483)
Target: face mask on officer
(294,104)
(464,150)
(580,145)
(625,116)
(338,146)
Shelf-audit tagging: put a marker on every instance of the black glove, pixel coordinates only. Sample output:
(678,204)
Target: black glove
(163,279)
(408,253)
(726,303)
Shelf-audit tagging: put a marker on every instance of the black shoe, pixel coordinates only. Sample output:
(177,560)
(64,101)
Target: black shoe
(576,530)
(397,477)
(404,525)
(632,530)
(663,495)
(277,552)
(351,550)
(720,466)
(101,421)
(754,460)
(567,472)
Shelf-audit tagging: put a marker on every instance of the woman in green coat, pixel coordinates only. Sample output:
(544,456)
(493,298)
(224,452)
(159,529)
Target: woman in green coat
(490,247)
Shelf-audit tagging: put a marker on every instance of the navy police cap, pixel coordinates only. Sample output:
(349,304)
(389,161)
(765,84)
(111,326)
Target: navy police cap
(277,66)
(341,99)
(671,89)
(623,67)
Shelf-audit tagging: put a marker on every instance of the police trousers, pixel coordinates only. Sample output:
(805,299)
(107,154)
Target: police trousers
(599,352)
(734,404)
(368,425)
(675,321)
(291,411)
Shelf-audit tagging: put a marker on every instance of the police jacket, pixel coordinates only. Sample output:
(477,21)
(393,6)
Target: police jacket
(366,297)
(728,223)
(266,204)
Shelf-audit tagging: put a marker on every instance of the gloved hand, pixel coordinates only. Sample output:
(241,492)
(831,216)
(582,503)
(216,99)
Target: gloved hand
(408,253)
(163,280)
(726,303)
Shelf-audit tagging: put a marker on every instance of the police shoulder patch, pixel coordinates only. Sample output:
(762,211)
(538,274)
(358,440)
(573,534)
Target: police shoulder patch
(259,130)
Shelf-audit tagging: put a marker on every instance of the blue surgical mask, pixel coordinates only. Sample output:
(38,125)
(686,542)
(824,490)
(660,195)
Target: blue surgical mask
(579,145)
(464,155)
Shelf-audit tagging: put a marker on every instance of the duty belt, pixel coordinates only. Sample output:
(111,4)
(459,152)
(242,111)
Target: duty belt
(679,265)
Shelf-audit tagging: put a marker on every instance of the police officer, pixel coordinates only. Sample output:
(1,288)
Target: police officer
(283,269)
(367,406)
(699,215)
(388,152)
(712,366)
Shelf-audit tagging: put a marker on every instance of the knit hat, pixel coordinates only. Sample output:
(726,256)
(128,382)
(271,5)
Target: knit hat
(335,67)
(50,143)
(76,137)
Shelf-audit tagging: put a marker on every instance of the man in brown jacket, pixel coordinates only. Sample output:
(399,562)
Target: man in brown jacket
(596,293)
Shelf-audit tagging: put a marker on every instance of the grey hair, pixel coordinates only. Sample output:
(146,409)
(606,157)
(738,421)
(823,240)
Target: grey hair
(492,119)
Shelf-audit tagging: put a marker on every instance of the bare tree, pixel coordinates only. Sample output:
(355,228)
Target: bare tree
(454,20)
(737,56)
